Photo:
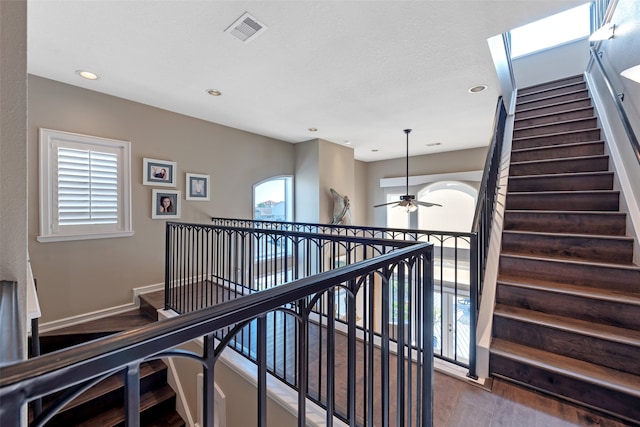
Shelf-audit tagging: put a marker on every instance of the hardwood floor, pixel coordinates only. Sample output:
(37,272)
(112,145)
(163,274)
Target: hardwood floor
(460,403)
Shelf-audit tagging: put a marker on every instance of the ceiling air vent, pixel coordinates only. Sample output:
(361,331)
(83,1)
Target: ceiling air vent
(246,28)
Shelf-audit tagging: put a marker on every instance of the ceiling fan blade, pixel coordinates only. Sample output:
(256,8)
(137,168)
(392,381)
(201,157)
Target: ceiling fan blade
(384,204)
(426,204)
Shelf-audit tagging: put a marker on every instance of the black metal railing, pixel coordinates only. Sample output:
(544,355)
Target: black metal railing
(622,114)
(208,265)
(374,400)
(489,187)
(456,277)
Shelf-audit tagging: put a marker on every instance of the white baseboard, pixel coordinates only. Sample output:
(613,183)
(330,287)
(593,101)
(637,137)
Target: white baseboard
(99,314)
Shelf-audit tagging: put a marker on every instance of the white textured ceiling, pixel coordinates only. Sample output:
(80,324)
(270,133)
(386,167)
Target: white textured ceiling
(358,71)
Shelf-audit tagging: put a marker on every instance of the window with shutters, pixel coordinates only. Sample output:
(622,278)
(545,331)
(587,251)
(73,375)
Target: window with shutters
(84,187)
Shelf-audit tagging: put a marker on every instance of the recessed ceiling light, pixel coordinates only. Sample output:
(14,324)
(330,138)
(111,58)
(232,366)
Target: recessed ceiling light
(214,92)
(477,88)
(87,75)
(313,129)
(348,142)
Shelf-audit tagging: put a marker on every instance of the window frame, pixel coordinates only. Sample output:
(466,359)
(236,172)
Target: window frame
(50,230)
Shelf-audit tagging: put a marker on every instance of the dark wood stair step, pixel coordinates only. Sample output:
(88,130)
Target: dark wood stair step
(150,400)
(584,135)
(553,117)
(613,308)
(106,394)
(554,128)
(603,223)
(545,93)
(592,342)
(523,104)
(594,200)
(565,81)
(554,107)
(566,165)
(559,151)
(588,247)
(608,390)
(616,277)
(580,181)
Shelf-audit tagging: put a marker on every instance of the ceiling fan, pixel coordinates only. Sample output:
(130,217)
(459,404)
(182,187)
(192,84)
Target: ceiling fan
(408,201)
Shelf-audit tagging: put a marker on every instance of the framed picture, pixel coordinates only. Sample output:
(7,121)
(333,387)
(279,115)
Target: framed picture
(197,186)
(165,204)
(158,173)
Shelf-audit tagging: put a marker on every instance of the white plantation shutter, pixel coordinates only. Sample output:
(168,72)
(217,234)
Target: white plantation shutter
(85,187)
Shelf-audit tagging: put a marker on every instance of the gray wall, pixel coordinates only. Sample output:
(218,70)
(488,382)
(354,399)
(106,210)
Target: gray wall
(13,149)
(78,277)
(452,161)
(569,59)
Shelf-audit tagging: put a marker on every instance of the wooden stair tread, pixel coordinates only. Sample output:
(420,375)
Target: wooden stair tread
(537,212)
(576,262)
(543,125)
(562,365)
(614,296)
(520,101)
(580,192)
(555,104)
(116,416)
(558,160)
(111,324)
(570,110)
(570,235)
(556,146)
(582,327)
(546,135)
(114,382)
(560,175)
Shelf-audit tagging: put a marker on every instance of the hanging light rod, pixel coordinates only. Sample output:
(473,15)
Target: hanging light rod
(408,201)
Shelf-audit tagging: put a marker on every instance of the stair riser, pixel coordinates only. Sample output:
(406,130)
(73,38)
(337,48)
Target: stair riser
(552,92)
(570,388)
(594,249)
(578,307)
(576,222)
(563,138)
(589,164)
(583,113)
(554,108)
(550,129)
(608,201)
(602,276)
(562,183)
(559,152)
(615,355)
(550,85)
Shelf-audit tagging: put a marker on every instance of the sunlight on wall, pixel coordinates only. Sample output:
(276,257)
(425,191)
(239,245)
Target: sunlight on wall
(458,202)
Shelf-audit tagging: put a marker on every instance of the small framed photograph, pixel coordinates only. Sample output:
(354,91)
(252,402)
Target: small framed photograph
(158,173)
(197,186)
(165,204)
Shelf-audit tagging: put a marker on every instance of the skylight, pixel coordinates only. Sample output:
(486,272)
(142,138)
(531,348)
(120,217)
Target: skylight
(572,24)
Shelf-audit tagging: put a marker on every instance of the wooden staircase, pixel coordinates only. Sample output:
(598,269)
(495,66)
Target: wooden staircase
(103,404)
(567,315)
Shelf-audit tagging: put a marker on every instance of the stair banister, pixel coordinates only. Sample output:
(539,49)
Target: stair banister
(626,124)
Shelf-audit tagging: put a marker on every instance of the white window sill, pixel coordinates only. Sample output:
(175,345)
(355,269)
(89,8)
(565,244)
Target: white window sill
(68,237)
